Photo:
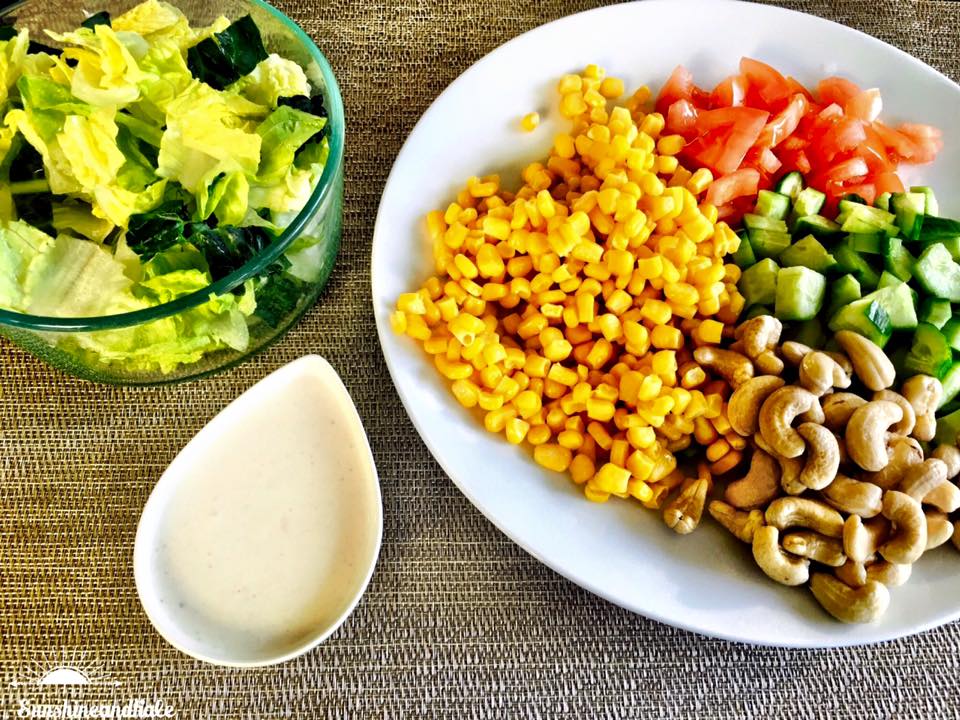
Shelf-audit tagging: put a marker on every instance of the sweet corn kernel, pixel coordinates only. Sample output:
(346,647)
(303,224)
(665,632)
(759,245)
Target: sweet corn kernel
(553,457)
(611,478)
(582,469)
(530,122)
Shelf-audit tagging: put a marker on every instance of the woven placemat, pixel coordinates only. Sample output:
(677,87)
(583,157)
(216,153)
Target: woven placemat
(458,622)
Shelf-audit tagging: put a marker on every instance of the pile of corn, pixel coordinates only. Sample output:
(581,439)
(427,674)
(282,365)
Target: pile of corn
(568,311)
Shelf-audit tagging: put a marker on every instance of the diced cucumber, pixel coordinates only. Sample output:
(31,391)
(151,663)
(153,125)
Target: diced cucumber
(866,317)
(752,221)
(909,207)
(808,202)
(931,207)
(744,257)
(808,252)
(790,185)
(843,292)
(897,259)
(948,428)
(951,331)
(864,214)
(953,246)
(930,354)
(937,273)
(854,263)
(772,204)
(810,333)
(898,356)
(899,303)
(800,293)
(768,243)
(816,225)
(865,243)
(758,284)
(937,229)
(883,201)
(887,279)
(936,312)
(951,385)
(854,198)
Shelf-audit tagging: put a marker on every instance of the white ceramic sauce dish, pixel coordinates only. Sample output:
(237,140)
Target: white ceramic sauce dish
(260,538)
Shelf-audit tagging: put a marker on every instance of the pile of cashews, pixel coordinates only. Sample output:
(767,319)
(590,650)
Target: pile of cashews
(839,492)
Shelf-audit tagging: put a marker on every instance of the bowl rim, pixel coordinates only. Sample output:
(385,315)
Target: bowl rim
(253,267)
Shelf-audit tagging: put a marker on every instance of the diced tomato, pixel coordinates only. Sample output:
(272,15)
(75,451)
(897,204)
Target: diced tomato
(803,162)
(902,146)
(770,84)
(740,183)
(796,87)
(888,182)
(847,170)
(764,160)
(682,118)
(742,128)
(868,191)
(730,92)
(864,106)
(836,90)
(784,123)
(795,142)
(925,138)
(679,86)
(874,152)
(844,135)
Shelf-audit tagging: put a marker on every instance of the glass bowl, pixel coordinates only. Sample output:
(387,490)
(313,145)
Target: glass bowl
(60,340)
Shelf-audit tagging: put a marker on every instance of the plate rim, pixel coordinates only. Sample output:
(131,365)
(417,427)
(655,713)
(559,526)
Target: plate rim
(383,331)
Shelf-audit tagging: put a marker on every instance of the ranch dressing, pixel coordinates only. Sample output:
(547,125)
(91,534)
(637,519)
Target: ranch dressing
(262,534)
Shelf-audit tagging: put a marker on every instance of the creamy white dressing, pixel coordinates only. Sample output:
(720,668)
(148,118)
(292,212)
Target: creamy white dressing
(271,525)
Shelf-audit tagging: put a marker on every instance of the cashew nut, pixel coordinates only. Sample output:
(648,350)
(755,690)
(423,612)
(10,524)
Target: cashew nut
(909,538)
(871,364)
(819,372)
(733,367)
(785,569)
(860,539)
(842,360)
(855,497)
(905,426)
(852,573)
(683,514)
(768,363)
(814,414)
(850,605)
(741,523)
(945,498)
(823,456)
(889,574)
(777,414)
(790,468)
(924,393)
(794,352)
(920,480)
(814,546)
(790,512)
(939,529)
(950,454)
(902,453)
(837,409)
(759,486)
(759,334)
(956,536)
(743,408)
(866,433)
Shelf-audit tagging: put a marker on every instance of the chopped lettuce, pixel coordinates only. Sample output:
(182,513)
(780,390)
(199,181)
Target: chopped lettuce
(142,162)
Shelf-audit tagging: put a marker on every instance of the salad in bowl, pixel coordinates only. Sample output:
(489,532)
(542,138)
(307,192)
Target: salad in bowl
(169,192)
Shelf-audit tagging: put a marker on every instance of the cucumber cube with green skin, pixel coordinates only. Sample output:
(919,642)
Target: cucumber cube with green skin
(887,279)
(790,185)
(951,331)
(953,247)
(769,243)
(744,256)
(800,293)
(948,429)
(930,354)
(866,317)
(937,312)
(772,204)
(938,274)
(854,263)
(937,229)
(909,209)
(897,259)
(899,303)
(809,202)
(808,252)
(951,385)
(816,225)
(843,292)
(930,207)
(865,243)
(883,201)
(758,284)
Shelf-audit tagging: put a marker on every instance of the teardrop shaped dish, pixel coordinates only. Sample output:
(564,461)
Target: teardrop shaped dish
(262,535)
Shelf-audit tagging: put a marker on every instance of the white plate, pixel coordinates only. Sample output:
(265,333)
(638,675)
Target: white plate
(707,581)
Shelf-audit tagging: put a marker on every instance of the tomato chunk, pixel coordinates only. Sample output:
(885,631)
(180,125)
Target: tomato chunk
(679,86)
(740,183)
(770,84)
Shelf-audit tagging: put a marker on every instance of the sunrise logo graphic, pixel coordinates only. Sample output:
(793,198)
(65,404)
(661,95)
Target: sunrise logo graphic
(65,668)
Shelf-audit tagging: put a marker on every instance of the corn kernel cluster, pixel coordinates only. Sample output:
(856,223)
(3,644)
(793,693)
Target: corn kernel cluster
(567,311)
